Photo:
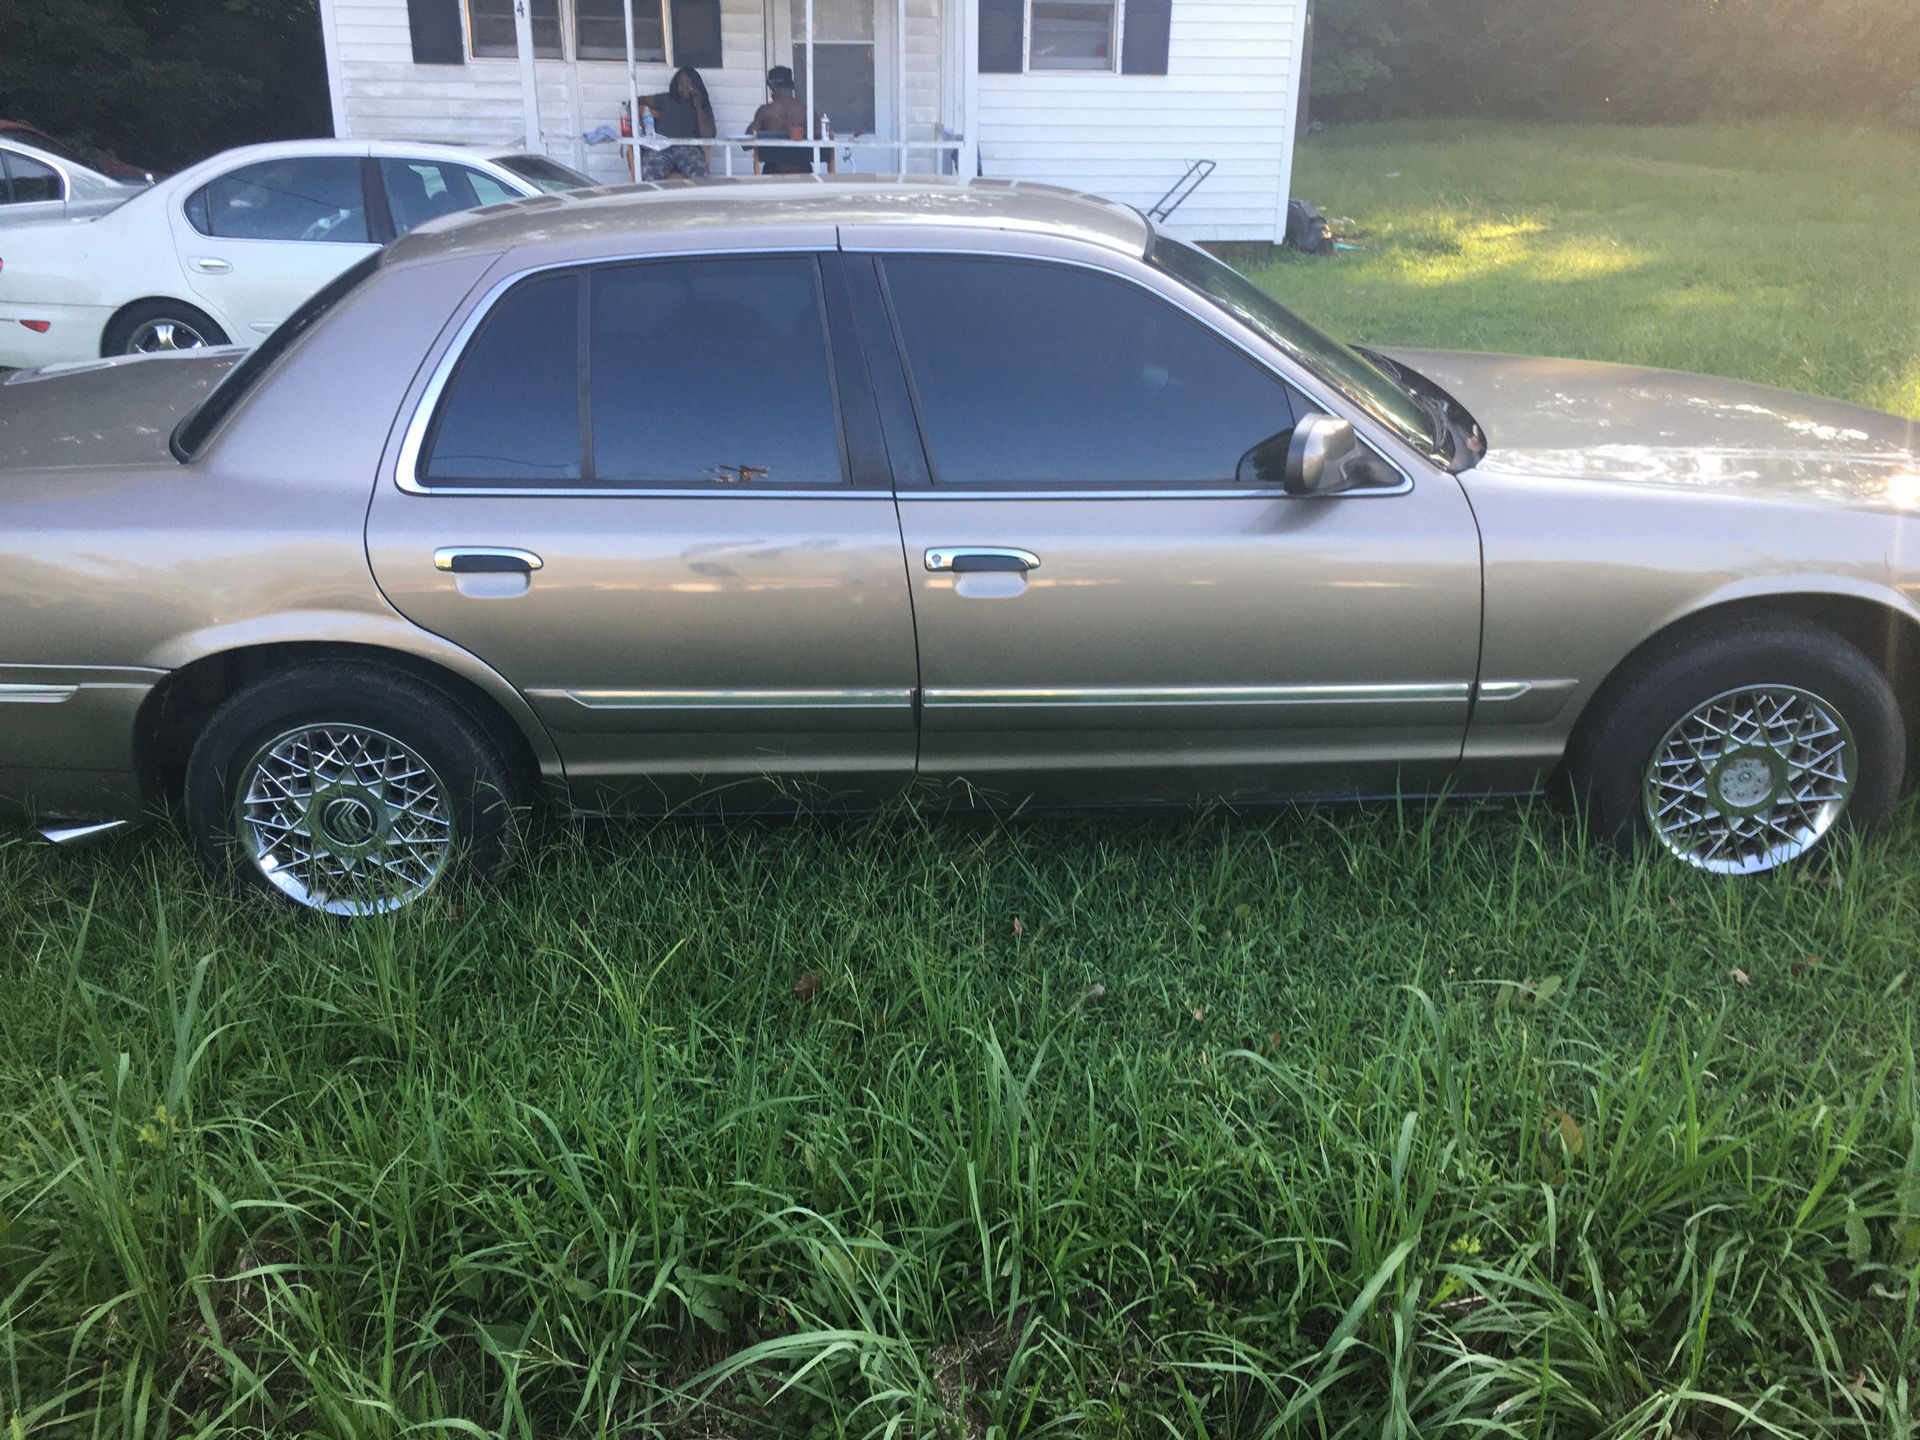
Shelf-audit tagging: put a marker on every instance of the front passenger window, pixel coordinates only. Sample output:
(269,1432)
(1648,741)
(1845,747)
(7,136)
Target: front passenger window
(1037,374)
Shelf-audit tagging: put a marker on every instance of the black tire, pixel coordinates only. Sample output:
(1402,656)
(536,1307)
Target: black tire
(467,819)
(1640,707)
(121,332)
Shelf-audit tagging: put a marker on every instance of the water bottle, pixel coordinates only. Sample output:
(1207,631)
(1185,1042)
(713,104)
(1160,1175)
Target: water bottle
(646,122)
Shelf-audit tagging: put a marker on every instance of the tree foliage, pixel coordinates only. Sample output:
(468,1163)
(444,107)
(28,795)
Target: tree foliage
(1633,60)
(164,82)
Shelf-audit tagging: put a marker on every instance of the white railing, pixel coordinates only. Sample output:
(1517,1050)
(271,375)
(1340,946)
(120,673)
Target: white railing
(728,145)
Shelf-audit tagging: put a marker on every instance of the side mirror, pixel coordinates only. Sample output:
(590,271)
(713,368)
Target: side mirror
(1315,454)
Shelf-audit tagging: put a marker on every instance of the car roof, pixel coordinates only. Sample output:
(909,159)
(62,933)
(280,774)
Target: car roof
(745,202)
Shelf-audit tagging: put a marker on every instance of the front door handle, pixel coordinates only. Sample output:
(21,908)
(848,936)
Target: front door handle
(207,265)
(485,559)
(966,559)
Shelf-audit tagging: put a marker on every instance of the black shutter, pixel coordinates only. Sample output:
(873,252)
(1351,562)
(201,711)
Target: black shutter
(437,37)
(1144,52)
(696,33)
(1003,35)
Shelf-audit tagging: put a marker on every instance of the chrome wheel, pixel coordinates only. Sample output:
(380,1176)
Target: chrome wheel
(1751,779)
(344,819)
(155,336)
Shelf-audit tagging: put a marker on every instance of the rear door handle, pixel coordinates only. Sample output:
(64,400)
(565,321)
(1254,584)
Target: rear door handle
(964,559)
(206,265)
(485,559)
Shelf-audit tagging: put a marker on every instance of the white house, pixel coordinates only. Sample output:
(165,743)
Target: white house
(1120,97)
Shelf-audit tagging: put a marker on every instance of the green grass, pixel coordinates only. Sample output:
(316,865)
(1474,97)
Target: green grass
(1325,1124)
(1783,253)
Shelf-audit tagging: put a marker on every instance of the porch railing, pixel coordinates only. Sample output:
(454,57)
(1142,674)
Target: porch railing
(903,151)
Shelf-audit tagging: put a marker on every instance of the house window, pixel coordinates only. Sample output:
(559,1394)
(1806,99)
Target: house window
(490,22)
(1071,34)
(596,30)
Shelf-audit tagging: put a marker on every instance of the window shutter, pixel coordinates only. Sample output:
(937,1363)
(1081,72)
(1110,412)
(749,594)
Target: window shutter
(1144,51)
(437,37)
(696,33)
(1003,33)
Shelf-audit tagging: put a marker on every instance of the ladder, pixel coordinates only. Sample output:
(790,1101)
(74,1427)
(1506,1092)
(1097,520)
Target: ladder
(1178,192)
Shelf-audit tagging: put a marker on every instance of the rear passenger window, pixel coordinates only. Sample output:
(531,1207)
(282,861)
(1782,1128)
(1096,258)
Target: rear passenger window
(304,197)
(512,416)
(712,370)
(698,372)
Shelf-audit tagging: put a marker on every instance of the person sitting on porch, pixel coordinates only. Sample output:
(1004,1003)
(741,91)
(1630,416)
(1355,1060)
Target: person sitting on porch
(782,118)
(681,112)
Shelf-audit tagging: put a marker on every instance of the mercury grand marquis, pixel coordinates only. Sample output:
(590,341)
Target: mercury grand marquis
(738,496)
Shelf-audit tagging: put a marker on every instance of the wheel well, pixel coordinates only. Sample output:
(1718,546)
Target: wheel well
(173,715)
(1888,638)
(120,314)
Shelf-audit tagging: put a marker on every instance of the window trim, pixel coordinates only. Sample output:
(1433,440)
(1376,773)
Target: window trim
(1116,40)
(423,424)
(1309,391)
(569,16)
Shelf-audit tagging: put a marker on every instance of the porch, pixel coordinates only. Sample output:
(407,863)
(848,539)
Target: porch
(1114,96)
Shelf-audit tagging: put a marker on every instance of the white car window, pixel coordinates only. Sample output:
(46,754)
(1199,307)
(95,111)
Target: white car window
(420,190)
(308,197)
(29,181)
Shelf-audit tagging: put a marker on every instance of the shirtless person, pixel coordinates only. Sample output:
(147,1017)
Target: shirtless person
(781,118)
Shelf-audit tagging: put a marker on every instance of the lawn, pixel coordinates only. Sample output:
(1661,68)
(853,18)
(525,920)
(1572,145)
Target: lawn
(1433,1123)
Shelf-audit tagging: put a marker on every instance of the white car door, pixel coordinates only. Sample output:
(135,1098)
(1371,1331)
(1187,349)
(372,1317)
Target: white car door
(255,242)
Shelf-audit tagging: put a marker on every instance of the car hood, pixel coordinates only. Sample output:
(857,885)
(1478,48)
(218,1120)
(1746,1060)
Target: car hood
(96,414)
(1577,419)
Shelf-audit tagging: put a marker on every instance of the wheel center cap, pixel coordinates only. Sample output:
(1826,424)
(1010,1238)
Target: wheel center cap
(1746,781)
(349,820)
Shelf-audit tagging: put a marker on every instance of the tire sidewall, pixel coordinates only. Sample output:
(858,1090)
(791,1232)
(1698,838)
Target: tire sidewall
(476,778)
(120,332)
(1611,764)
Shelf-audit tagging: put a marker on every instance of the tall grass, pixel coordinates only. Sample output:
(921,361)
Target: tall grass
(1336,1125)
(1325,1124)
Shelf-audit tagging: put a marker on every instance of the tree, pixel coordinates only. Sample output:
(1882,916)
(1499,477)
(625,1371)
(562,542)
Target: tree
(164,82)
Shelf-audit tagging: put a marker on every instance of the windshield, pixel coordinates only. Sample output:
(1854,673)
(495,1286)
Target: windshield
(544,175)
(1355,376)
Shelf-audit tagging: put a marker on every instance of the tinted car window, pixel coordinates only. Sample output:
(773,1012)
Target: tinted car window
(1033,374)
(31,180)
(544,174)
(422,190)
(712,370)
(512,413)
(311,197)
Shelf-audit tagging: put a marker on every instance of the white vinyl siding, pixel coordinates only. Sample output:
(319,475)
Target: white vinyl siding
(1228,97)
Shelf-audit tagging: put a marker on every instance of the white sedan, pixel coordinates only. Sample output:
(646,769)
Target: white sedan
(222,252)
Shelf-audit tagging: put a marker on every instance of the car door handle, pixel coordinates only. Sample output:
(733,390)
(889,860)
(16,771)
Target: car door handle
(207,265)
(965,559)
(485,559)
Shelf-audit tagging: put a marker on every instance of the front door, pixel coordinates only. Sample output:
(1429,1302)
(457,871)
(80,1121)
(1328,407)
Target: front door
(258,240)
(853,84)
(1106,612)
(637,502)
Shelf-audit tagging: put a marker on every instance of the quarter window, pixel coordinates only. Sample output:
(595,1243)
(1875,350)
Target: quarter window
(29,180)
(1030,374)
(696,372)
(318,198)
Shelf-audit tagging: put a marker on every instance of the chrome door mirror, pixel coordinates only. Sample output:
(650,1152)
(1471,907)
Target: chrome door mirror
(1316,456)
